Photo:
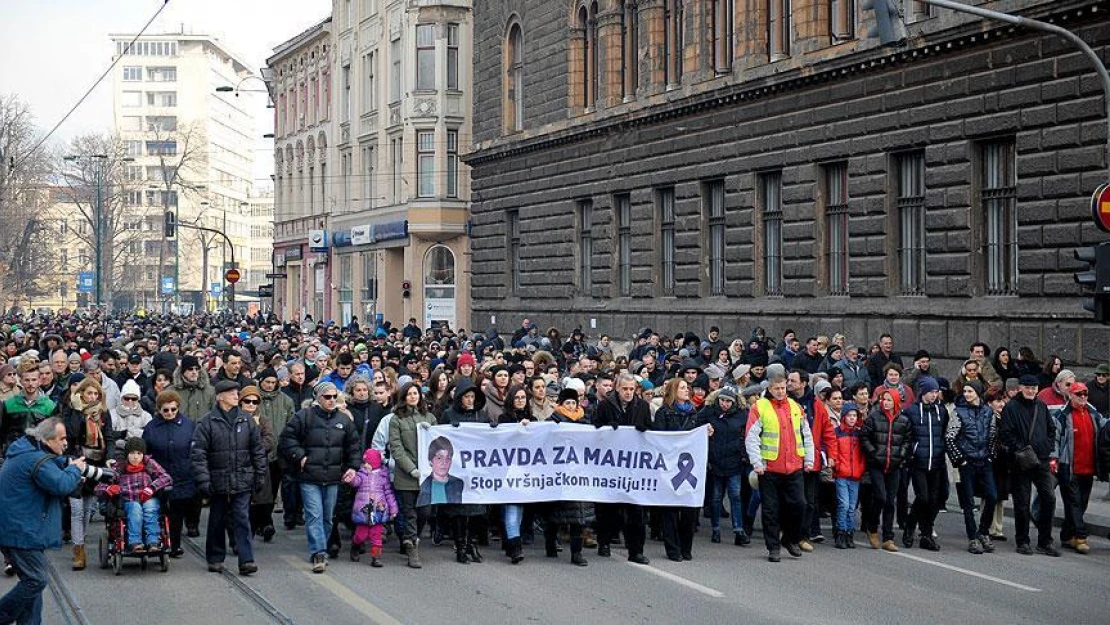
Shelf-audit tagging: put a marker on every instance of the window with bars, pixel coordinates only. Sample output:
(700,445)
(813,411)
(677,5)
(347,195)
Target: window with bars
(426,163)
(714,203)
(771,194)
(998,190)
(622,209)
(514,251)
(836,227)
(585,245)
(911,221)
(664,199)
(426,57)
(842,20)
(778,29)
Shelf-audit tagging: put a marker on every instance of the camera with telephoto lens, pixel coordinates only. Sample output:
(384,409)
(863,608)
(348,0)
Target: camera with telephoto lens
(98,474)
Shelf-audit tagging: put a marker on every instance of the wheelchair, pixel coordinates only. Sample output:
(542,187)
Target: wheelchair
(112,546)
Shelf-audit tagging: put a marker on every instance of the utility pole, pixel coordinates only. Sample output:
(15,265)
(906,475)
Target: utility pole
(98,218)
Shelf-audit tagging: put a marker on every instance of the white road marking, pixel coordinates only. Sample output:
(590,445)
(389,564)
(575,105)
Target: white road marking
(681,581)
(350,597)
(989,578)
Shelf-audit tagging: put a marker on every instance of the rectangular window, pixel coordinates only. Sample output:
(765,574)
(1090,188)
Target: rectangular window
(130,99)
(425,57)
(133,173)
(132,73)
(778,29)
(622,211)
(426,163)
(714,202)
(345,180)
(771,192)
(911,222)
(916,10)
(161,148)
(514,251)
(586,246)
(369,90)
(133,198)
(453,56)
(161,98)
(132,148)
(345,97)
(836,226)
(722,13)
(664,199)
(161,74)
(452,163)
(998,190)
(131,123)
(842,20)
(369,189)
(369,277)
(395,71)
(398,160)
(161,123)
(346,290)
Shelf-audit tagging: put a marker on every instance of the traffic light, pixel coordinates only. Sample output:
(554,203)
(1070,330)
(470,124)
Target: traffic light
(169,224)
(406,288)
(889,27)
(1095,279)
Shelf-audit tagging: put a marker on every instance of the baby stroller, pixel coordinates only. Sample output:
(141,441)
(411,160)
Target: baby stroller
(112,547)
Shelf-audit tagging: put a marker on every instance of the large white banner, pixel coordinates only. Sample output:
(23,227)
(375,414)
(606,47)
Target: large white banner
(475,463)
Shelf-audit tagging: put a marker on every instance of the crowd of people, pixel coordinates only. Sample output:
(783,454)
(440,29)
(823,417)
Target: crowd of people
(241,413)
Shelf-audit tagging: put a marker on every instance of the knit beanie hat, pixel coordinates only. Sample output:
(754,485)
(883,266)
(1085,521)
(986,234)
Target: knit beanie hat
(268,372)
(188,362)
(130,389)
(325,388)
(134,444)
(927,385)
(466,358)
(373,457)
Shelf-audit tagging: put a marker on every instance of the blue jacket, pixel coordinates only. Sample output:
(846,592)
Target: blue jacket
(340,384)
(170,443)
(32,504)
(1065,433)
(928,423)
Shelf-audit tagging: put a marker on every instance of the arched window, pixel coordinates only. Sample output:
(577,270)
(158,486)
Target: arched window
(439,267)
(514,80)
(439,286)
(674,15)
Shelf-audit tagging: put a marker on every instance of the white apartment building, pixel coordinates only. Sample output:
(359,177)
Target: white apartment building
(374,197)
(193,150)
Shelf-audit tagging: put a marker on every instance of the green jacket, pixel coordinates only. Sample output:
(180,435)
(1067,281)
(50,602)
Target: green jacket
(277,408)
(197,399)
(16,415)
(402,448)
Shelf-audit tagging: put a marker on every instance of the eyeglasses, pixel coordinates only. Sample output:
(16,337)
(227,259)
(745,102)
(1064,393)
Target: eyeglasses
(329,396)
(169,410)
(252,402)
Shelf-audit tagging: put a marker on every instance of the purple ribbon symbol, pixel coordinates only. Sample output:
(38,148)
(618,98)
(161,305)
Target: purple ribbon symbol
(685,472)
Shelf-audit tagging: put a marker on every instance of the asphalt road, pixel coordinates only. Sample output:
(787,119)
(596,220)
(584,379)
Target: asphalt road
(722,584)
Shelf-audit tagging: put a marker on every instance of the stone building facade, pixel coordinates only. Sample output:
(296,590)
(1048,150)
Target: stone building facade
(740,163)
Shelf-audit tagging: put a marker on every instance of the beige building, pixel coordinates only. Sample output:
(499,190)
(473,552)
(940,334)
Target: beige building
(371,194)
(193,151)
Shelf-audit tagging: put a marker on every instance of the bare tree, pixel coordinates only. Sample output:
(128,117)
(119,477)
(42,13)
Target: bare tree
(96,170)
(27,267)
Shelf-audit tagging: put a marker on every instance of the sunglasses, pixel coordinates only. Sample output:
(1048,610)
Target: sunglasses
(1080,394)
(130,399)
(329,396)
(169,410)
(250,401)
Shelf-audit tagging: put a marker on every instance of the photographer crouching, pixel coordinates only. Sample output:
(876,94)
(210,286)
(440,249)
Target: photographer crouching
(34,479)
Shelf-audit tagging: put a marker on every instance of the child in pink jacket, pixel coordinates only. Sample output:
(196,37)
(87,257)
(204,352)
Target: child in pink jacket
(374,506)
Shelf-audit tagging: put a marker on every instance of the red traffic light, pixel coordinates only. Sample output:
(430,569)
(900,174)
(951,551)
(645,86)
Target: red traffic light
(1100,207)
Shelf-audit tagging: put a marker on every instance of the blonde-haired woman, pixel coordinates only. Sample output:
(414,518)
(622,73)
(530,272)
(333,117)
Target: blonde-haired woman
(89,430)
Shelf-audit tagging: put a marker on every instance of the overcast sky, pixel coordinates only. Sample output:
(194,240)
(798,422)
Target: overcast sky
(51,51)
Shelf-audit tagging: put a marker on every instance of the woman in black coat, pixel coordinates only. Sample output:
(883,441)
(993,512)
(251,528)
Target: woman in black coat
(517,410)
(575,514)
(169,437)
(466,519)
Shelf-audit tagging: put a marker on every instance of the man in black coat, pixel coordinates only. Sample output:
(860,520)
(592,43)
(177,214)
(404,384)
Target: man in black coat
(1026,421)
(228,462)
(321,445)
(622,407)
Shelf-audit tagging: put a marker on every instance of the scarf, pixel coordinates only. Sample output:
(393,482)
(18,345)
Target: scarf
(92,429)
(576,415)
(136,468)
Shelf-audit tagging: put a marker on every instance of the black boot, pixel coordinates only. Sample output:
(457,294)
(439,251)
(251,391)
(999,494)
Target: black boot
(472,550)
(576,548)
(459,527)
(356,551)
(516,550)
